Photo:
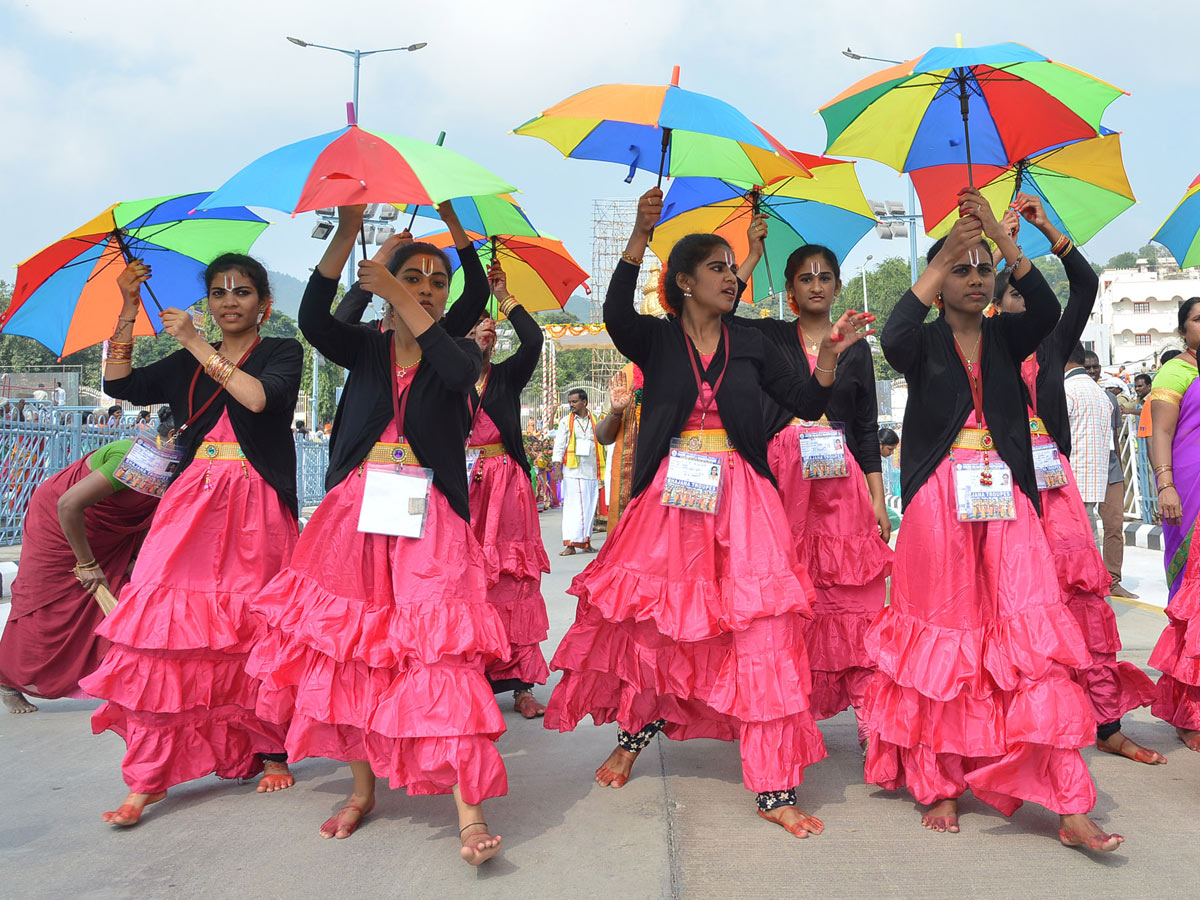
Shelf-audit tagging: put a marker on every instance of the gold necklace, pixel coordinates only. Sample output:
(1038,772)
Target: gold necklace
(813,345)
(403,370)
(969,357)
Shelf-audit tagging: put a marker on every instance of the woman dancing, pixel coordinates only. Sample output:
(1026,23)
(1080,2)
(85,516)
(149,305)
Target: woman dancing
(174,678)
(691,619)
(378,643)
(974,652)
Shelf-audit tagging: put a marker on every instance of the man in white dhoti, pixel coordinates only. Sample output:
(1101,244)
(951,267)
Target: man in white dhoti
(579,460)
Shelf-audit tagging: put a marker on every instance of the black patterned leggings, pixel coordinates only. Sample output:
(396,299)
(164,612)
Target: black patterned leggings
(639,741)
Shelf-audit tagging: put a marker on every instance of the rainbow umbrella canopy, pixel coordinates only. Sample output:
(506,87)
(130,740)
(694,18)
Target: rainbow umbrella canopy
(663,129)
(1082,185)
(829,208)
(486,214)
(540,272)
(352,166)
(1181,232)
(991,106)
(66,296)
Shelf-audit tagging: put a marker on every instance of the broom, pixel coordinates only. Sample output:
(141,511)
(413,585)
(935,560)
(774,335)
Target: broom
(106,600)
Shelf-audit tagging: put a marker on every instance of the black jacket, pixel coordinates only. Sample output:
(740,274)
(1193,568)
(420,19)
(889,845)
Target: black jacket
(852,400)
(506,380)
(939,395)
(1052,353)
(435,422)
(265,437)
(461,315)
(661,349)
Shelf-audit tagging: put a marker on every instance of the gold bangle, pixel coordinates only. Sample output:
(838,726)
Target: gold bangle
(1163,487)
(632,260)
(506,305)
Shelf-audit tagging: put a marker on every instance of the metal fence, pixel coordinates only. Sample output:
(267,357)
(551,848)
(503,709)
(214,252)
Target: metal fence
(32,451)
(1141,498)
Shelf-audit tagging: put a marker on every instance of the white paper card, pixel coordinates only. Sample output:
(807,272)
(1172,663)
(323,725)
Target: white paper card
(983,493)
(1047,467)
(693,480)
(395,501)
(148,468)
(823,454)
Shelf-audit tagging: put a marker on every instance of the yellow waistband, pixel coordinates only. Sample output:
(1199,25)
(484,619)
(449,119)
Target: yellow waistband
(974,439)
(487,451)
(1037,426)
(219,450)
(711,440)
(821,421)
(401,454)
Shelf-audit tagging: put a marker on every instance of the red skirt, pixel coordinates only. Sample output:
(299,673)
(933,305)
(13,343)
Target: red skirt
(376,648)
(174,678)
(49,643)
(1177,653)
(505,522)
(974,656)
(834,531)
(1114,688)
(699,620)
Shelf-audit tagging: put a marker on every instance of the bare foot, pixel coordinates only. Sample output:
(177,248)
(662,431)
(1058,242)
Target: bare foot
(1119,745)
(477,845)
(1080,831)
(1191,739)
(130,812)
(276,777)
(14,701)
(942,816)
(346,820)
(794,820)
(528,705)
(614,771)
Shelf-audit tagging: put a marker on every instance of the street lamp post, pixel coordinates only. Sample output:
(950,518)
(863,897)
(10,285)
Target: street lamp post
(862,271)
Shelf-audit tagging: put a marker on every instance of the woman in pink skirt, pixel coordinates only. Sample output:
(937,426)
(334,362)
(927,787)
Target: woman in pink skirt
(974,654)
(173,678)
(503,512)
(838,519)
(691,619)
(380,630)
(1114,688)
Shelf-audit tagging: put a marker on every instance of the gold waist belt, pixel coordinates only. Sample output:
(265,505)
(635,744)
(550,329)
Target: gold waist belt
(974,439)
(487,451)
(400,454)
(1037,426)
(711,440)
(219,450)
(821,421)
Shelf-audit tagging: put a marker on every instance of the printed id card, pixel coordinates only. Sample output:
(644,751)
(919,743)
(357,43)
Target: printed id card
(148,468)
(1048,467)
(693,479)
(823,454)
(395,500)
(983,493)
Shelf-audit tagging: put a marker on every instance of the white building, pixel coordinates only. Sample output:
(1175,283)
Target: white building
(1137,313)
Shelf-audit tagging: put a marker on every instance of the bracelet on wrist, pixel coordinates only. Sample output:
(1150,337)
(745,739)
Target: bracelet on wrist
(819,368)
(631,259)
(1163,487)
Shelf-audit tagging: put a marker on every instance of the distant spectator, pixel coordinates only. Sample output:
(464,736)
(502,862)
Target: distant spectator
(60,395)
(301,429)
(1112,508)
(888,441)
(142,422)
(114,415)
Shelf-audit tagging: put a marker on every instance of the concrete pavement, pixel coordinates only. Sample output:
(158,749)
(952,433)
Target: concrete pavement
(684,827)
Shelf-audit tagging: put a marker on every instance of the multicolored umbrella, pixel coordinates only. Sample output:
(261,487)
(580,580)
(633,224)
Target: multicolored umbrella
(540,272)
(1181,232)
(828,208)
(664,129)
(66,296)
(352,166)
(1082,185)
(969,106)
(485,214)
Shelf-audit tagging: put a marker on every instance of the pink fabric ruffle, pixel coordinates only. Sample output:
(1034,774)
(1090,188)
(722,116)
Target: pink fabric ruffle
(523,612)
(174,678)
(974,653)
(376,647)
(505,520)
(1177,653)
(698,620)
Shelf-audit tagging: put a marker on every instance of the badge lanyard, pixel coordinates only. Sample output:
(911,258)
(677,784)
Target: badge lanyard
(399,409)
(192,417)
(985,477)
(474,410)
(693,352)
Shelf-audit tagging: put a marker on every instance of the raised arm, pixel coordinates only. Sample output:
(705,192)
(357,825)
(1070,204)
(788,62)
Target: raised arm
(808,396)
(1024,331)
(464,312)
(354,302)
(337,340)
(529,334)
(630,331)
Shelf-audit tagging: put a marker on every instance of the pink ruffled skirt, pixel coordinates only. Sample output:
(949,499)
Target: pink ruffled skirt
(174,678)
(974,657)
(834,531)
(699,620)
(376,648)
(1114,688)
(505,522)
(1177,653)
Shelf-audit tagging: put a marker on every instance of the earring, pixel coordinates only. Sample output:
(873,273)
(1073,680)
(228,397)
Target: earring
(687,293)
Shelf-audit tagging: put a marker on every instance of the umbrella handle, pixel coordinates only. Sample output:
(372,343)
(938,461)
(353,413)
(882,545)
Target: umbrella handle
(128,256)
(964,105)
(662,163)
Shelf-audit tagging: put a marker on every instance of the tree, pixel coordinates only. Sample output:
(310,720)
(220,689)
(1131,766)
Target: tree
(886,284)
(1126,260)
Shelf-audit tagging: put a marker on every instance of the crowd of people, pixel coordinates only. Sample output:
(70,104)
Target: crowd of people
(741,593)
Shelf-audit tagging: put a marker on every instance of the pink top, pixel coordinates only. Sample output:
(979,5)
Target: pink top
(391,432)
(484,432)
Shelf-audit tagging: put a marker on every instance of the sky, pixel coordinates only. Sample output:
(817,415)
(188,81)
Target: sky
(139,98)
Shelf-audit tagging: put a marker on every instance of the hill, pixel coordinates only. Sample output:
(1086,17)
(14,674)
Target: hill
(288,290)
